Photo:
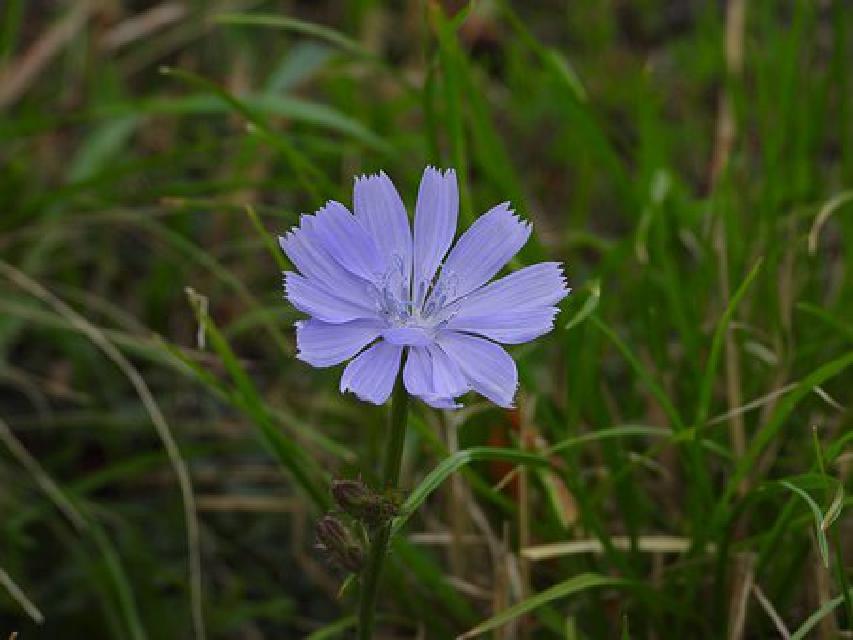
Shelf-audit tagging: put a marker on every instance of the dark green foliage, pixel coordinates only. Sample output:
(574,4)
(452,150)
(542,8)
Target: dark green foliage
(708,303)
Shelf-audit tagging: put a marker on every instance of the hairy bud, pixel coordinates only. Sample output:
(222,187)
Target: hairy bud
(339,542)
(355,499)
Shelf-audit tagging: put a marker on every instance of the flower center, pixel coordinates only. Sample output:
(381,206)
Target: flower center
(425,312)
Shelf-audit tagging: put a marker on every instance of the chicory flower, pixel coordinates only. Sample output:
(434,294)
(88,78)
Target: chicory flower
(374,290)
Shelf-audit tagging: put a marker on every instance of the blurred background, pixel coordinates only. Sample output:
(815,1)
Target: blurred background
(164,456)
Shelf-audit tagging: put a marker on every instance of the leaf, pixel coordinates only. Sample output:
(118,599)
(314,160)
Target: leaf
(305,471)
(114,569)
(266,237)
(454,71)
(770,428)
(644,375)
(717,345)
(843,328)
(626,634)
(829,208)
(303,63)
(304,27)
(822,543)
(99,149)
(564,70)
(333,630)
(811,622)
(589,305)
(447,466)
(571,586)
(834,509)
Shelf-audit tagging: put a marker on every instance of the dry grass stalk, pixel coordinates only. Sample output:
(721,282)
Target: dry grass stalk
(21,598)
(828,627)
(44,481)
(142,24)
(458,509)
(645,544)
(723,144)
(743,580)
(19,74)
(263,504)
(771,612)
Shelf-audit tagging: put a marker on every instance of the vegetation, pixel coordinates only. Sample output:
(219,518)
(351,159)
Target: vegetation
(679,465)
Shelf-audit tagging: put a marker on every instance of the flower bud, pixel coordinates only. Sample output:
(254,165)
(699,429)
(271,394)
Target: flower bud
(355,499)
(337,540)
(350,494)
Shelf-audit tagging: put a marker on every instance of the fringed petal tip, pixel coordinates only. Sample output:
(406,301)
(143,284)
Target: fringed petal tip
(442,173)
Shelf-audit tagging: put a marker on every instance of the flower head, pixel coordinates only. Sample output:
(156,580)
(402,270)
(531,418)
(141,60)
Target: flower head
(374,289)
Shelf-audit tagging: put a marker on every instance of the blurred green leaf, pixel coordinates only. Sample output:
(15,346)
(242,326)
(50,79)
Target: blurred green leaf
(564,589)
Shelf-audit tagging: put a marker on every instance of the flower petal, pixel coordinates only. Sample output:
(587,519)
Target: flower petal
(321,344)
(437,402)
(488,244)
(539,285)
(407,336)
(513,326)
(489,369)
(381,212)
(435,226)
(431,376)
(307,252)
(515,309)
(447,379)
(417,373)
(371,375)
(347,241)
(317,301)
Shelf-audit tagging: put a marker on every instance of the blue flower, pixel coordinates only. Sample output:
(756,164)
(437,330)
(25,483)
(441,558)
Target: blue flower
(373,290)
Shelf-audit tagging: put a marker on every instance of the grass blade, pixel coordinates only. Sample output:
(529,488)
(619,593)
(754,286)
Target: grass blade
(564,589)
(811,622)
(770,429)
(823,545)
(446,467)
(305,471)
(589,305)
(717,344)
(644,375)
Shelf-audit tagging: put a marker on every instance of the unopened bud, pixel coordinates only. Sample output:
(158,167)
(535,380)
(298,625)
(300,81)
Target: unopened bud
(337,540)
(350,494)
(355,499)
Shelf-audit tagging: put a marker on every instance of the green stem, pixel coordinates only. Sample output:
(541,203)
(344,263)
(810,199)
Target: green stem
(390,478)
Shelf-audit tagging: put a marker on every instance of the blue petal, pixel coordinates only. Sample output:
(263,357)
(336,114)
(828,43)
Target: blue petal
(417,374)
(435,225)
(515,309)
(347,241)
(317,301)
(431,376)
(381,212)
(488,368)
(510,326)
(407,336)
(490,242)
(371,375)
(321,344)
(447,379)
(539,285)
(307,252)
(437,402)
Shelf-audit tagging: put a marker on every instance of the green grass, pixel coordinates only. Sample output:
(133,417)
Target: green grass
(705,306)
